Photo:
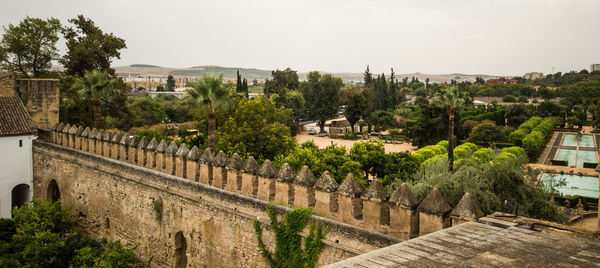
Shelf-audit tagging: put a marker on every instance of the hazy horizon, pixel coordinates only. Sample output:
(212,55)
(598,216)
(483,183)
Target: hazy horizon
(434,37)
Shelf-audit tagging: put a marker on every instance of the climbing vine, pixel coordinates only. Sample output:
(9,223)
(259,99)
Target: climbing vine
(288,249)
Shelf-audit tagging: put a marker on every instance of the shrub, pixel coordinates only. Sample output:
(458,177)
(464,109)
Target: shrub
(515,150)
(533,142)
(489,184)
(516,137)
(531,123)
(434,159)
(523,99)
(461,152)
(424,154)
(443,143)
(484,155)
(437,149)
(509,98)
(471,147)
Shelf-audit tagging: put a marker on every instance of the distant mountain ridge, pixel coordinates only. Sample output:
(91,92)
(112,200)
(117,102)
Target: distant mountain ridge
(253,73)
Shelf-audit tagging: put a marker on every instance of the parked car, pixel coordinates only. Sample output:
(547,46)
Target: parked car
(312,131)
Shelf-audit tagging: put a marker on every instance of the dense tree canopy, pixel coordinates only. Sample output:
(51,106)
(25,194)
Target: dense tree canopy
(88,48)
(29,47)
(281,82)
(322,94)
(257,128)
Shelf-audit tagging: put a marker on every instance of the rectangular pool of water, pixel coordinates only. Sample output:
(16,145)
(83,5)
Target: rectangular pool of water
(583,141)
(575,185)
(577,158)
(586,157)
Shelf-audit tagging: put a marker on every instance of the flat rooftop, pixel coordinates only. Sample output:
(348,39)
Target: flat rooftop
(476,244)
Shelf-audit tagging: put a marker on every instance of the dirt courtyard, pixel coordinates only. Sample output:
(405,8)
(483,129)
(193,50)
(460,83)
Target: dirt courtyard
(323,142)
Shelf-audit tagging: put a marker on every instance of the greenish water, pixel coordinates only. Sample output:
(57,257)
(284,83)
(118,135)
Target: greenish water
(586,157)
(575,157)
(583,141)
(574,184)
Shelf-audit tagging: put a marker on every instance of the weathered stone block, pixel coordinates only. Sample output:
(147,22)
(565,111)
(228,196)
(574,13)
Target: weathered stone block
(266,182)
(206,167)
(326,204)
(284,187)
(266,189)
(433,213)
(205,174)
(349,201)
(404,218)
(249,177)
(304,192)
(326,200)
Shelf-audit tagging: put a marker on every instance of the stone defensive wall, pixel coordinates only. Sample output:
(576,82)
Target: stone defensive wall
(165,196)
(40,97)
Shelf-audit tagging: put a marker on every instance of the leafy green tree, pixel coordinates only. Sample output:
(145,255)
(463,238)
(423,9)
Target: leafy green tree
(321,94)
(257,128)
(97,87)
(517,114)
(355,102)
(549,108)
(170,83)
(30,46)
(545,93)
(332,158)
(399,166)
(280,82)
(382,120)
(370,155)
(160,88)
(146,112)
(88,48)
(486,133)
(209,91)
(289,251)
(453,98)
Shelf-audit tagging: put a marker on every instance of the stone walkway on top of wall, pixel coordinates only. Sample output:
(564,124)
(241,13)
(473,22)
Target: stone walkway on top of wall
(475,244)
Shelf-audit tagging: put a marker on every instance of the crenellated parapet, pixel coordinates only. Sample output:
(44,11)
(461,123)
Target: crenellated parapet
(400,215)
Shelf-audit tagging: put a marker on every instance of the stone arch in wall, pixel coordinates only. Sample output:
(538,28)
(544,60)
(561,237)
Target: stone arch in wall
(180,250)
(53,193)
(20,194)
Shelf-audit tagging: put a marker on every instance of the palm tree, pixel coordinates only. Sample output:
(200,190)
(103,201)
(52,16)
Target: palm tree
(210,91)
(98,87)
(453,98)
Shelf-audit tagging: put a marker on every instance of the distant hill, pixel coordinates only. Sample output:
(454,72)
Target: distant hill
(252,73)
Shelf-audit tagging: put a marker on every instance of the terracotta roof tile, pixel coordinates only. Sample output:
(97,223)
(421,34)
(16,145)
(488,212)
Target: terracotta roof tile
(14,119)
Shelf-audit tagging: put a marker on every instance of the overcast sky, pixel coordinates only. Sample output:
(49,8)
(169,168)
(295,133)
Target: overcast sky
(498,37)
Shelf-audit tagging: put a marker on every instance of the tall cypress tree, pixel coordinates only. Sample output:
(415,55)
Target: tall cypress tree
(368,77)
(238,84)
(393,91)
(245,87)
